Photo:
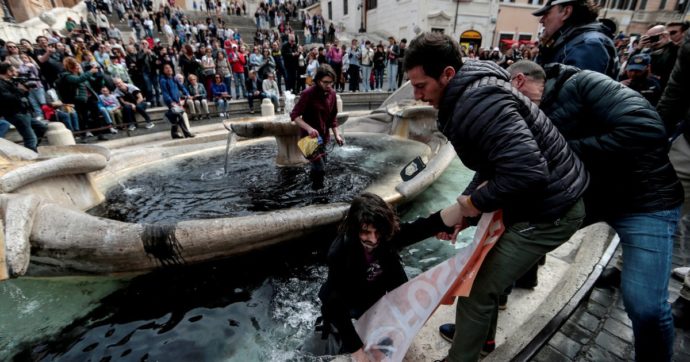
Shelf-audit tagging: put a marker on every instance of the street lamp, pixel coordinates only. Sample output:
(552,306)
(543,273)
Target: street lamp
(363,7)
(8,18)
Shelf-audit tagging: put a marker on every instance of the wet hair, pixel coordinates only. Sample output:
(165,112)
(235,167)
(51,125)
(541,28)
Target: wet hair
(584,12)
(434,52)
(528,68)
(324,70)
(370,209)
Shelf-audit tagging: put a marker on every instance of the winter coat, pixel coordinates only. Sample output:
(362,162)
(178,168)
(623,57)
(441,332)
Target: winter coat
(586,46)
(618,136)
(499,133)
(673,107)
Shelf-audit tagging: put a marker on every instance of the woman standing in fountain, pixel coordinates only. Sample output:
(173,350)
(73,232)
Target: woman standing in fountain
(364,264)
(315,113)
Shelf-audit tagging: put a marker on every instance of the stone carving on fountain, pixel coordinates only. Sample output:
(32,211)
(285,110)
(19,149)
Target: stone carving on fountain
(43,196)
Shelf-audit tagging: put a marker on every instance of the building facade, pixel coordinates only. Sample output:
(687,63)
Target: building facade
(474,21)
(516,23)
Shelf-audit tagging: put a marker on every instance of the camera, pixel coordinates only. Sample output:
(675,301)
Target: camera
(654,38)
(23,81)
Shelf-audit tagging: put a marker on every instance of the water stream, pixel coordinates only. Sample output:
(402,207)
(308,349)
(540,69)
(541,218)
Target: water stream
(250,308)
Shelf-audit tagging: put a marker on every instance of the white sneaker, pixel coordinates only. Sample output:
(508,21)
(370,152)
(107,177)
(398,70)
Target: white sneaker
(113,130)
(150,125)
(681,272)
(132,127)
(88,134)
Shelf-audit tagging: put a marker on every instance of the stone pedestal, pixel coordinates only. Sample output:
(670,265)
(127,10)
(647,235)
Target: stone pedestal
(267,108)
(59,135)
(338,103)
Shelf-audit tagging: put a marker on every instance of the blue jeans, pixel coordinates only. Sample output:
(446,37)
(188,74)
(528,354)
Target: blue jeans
(392,76)
(29,128)
(106,115)
(239,83)
(221,105)
(366,75)
(37,98)
(647,240)
(378,78)
(4,127)
(71,120)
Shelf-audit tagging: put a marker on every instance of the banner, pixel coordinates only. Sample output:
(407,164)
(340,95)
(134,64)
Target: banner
(389,326)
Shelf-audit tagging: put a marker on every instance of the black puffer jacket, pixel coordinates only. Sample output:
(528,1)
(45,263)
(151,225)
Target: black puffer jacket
(619,137)
(532,174)
(673,107)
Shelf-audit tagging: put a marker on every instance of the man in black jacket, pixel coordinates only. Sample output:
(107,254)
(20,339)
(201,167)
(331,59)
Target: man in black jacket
(573,36)
(633,187)
(674,109)
(16,108)
(523,166)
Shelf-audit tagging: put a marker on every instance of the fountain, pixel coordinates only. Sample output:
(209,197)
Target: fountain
(48,203)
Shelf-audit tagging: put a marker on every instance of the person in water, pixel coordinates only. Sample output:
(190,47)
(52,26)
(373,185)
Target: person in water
(315,113)
(364,264)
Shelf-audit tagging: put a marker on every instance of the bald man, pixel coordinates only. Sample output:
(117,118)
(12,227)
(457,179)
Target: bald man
(657,43)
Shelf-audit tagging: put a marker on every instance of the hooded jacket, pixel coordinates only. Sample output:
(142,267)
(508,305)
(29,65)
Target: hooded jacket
(586,46)
(499,133)
(618,136)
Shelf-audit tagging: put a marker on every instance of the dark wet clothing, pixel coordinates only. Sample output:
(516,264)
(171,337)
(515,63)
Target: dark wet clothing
(356,279)
(318,109)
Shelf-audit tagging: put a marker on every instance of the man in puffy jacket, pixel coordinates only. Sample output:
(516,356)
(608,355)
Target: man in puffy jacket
(674,109)
(573,36)
(523,166)
(633,187)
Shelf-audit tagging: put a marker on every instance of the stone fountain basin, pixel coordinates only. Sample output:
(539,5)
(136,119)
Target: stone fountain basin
(67,240)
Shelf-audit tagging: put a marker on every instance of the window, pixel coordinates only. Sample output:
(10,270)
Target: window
(662,5)
(536,2)
(371,4)
(643,5)
(330,10)
(524,37)
(438,30)
(345,7)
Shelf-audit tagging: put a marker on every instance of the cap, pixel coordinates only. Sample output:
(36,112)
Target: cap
(550,4)
(638,62)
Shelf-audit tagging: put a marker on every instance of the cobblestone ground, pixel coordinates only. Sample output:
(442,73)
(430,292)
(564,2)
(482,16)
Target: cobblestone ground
(600,330)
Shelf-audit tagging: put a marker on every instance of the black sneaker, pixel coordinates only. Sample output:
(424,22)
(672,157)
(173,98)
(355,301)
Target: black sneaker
(503,302)
(447,332)
(681,313)
(609,278)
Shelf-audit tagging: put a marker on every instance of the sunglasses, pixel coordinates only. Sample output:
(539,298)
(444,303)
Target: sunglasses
(673,32)
(11,46)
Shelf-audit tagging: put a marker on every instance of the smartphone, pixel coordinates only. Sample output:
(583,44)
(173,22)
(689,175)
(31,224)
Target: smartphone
(654,38)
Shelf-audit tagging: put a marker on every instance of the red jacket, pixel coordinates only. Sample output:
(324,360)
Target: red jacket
(237,61)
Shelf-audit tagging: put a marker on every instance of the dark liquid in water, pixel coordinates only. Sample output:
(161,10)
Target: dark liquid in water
(198,188)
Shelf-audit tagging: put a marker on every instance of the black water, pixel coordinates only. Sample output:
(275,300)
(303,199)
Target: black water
(248,308)
(256,307)
(198,188)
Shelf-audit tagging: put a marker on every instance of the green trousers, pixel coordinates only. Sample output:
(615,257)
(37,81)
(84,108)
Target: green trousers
(519,248)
